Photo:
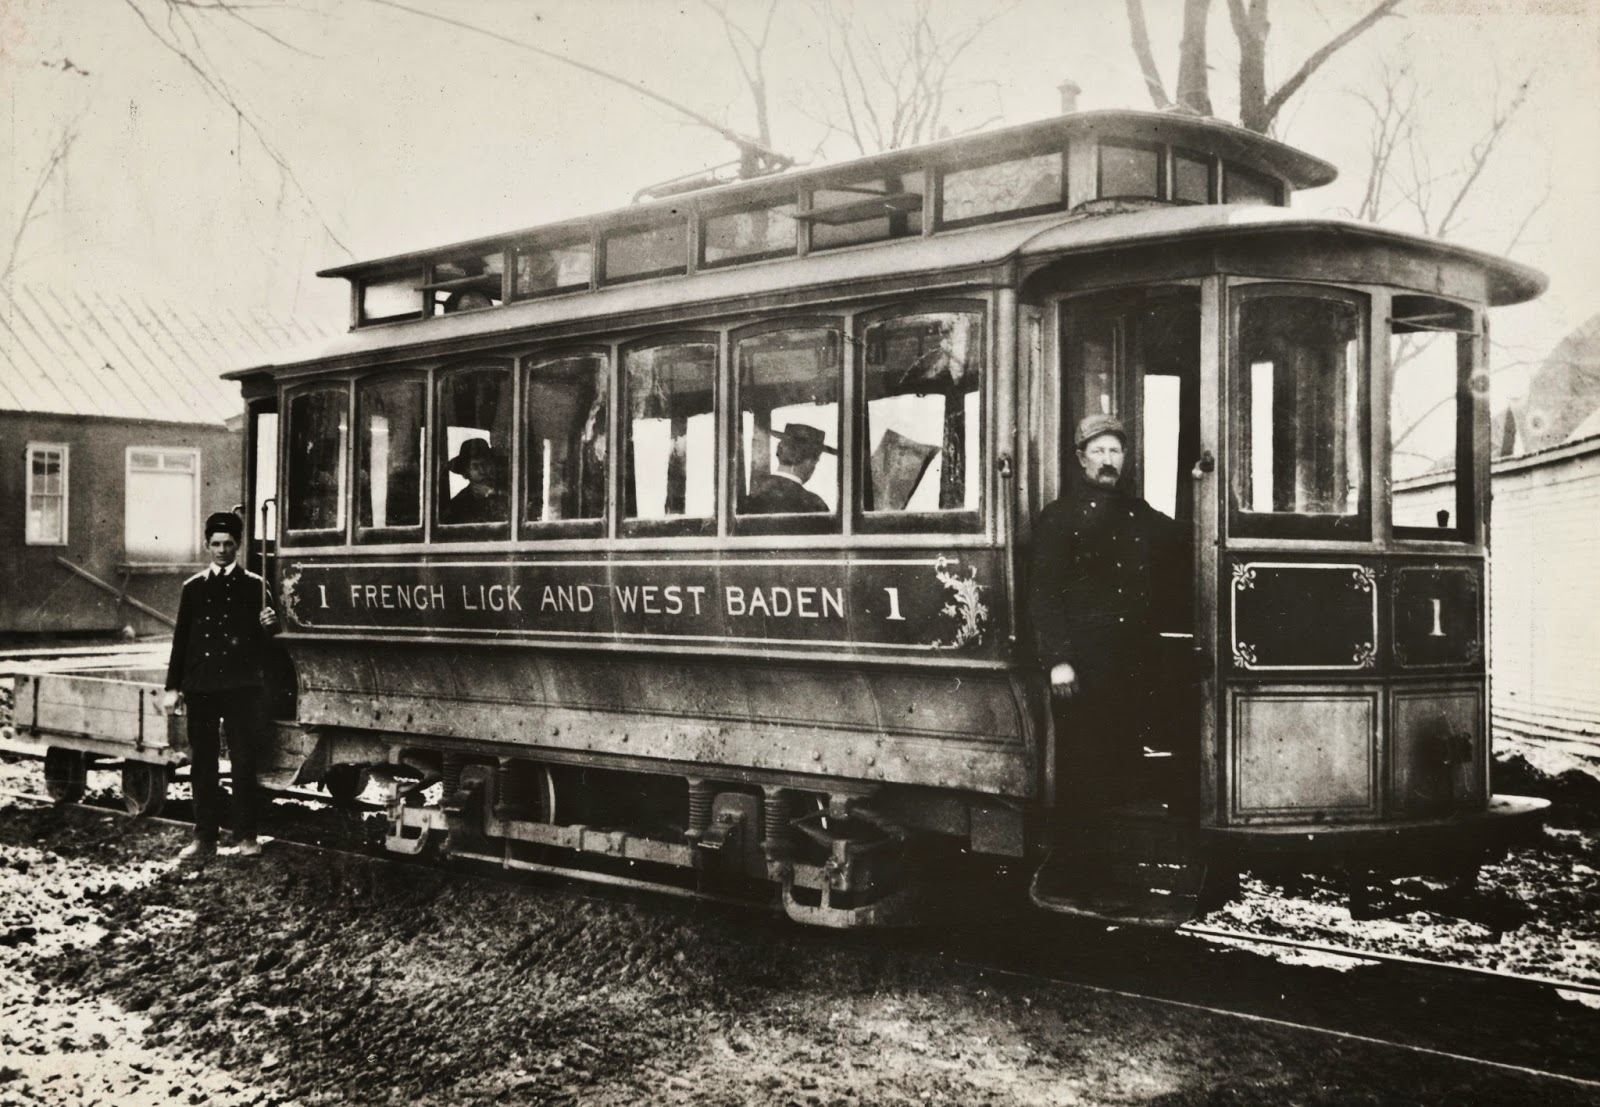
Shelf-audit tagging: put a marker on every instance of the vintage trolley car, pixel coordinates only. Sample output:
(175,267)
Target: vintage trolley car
(516,523)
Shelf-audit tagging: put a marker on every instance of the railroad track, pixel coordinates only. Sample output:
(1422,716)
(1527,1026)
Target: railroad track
(994,966)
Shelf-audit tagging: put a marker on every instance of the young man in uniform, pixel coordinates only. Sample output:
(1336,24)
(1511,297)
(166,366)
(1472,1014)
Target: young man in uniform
(216,673)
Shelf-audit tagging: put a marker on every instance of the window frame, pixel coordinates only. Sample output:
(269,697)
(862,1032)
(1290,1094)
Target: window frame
(1357,527)
(786,523)
(810,215)
(940,223)
(516,252)
(547,529)
(437,483)
(1213,176)
(952,521)
(30,538)
(1469,346)
(383,535)
(702,218)
(315,536)
(197,540)
(686,227)
(682,525)
(1231,169)
(1159,149)
(419,277)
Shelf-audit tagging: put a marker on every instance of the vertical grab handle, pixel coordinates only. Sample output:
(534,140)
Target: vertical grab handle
(266,575)
(1008,502)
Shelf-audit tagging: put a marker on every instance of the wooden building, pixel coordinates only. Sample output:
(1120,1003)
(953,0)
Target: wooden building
(116,435)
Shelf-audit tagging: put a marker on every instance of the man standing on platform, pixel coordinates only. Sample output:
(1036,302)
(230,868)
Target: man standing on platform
(1105,566)
(216,673)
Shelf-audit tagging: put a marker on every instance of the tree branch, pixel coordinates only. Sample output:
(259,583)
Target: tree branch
(1139,34)
(1276,101)
(58,158)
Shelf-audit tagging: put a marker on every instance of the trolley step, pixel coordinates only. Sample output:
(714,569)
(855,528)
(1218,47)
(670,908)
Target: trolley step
(1130,869)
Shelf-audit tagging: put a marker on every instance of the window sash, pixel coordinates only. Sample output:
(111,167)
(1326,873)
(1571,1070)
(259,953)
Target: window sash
(48,483)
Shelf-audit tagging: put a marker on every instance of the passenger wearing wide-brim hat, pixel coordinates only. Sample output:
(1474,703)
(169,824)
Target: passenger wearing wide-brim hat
(481,500)
(1106,573)
(800,448)
(215,673)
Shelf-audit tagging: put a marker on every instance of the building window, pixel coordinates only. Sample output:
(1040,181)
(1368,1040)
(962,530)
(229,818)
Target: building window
(47,494)
(565,450)
(319,430)
(475,450)
(922,417)
(389,415)
(670,465)
(162,516)
(788,429)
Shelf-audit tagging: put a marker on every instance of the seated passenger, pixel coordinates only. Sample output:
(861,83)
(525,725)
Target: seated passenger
(799,449)
(482,500)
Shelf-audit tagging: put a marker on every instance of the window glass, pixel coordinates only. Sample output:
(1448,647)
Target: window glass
(565,448)
(670,466)
(162,514)
(867,211)
(746,235)
(1430,357)
(474,448)
(647,252)
(553,268)
(47,496)
(466,283)
(923,379)
(389,414)
(266,474)
(318,430)
(789,422)
(1025,184)
(1191,179)
(391,298)
(1129,171)
(1298,396)
(1241,186)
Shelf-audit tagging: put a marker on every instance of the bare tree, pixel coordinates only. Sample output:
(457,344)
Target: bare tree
(1258,107)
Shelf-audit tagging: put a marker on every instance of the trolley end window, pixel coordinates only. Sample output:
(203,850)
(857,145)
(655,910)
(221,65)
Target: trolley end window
(1432,349)
(319,428)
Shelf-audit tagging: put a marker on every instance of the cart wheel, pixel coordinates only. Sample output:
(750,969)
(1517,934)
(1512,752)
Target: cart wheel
(66,774)
(344,783)
(144,787)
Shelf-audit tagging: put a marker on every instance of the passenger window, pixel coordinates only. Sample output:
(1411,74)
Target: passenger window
(318,436)
(1430,430)
(385,299)
(788,448)
(1299,432)
(389,413)
(866,211)
(565,448)
(669,469)
(474,450)
(922,414)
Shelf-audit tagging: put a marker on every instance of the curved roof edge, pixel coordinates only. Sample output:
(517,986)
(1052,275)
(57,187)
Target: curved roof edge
(1299,168)
(990,247)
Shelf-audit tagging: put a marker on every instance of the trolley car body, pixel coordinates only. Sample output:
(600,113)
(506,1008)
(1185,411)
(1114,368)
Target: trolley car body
(610,655)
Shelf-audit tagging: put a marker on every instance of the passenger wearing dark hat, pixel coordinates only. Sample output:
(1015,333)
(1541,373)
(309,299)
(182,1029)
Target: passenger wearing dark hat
(215,674)
(800,448)
(1105,565)
(482,500)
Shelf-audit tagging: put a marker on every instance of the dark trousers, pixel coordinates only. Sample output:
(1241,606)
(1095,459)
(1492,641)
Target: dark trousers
(239,709)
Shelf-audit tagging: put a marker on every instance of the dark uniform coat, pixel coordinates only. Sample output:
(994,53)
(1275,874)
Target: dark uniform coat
(771,494)
(217,644)
(1105,566)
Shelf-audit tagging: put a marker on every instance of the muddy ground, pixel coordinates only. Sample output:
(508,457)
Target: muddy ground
(296,978)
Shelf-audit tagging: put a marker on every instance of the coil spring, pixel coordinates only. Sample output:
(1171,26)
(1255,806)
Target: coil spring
(450,775)
(701,794)
(776,814)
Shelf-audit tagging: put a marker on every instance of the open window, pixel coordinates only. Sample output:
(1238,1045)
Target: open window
(867,210)
(922,420)
(473,453)
(787,450)
(390,451)
(565,450)
(1298,433)
(466,282)
(318,464)
(1432,350)
(669,468)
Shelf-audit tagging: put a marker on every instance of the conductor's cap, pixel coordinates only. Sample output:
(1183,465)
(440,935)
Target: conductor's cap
(1091,427)
(225,521)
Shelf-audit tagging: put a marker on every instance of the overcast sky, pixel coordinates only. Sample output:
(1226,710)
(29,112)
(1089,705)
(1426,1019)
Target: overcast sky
(402,132)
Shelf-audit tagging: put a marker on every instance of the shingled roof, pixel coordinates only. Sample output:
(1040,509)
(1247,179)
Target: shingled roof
(127,357)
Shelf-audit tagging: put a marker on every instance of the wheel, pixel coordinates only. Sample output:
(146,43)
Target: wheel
(344,783)
(66,774)
(144,787)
